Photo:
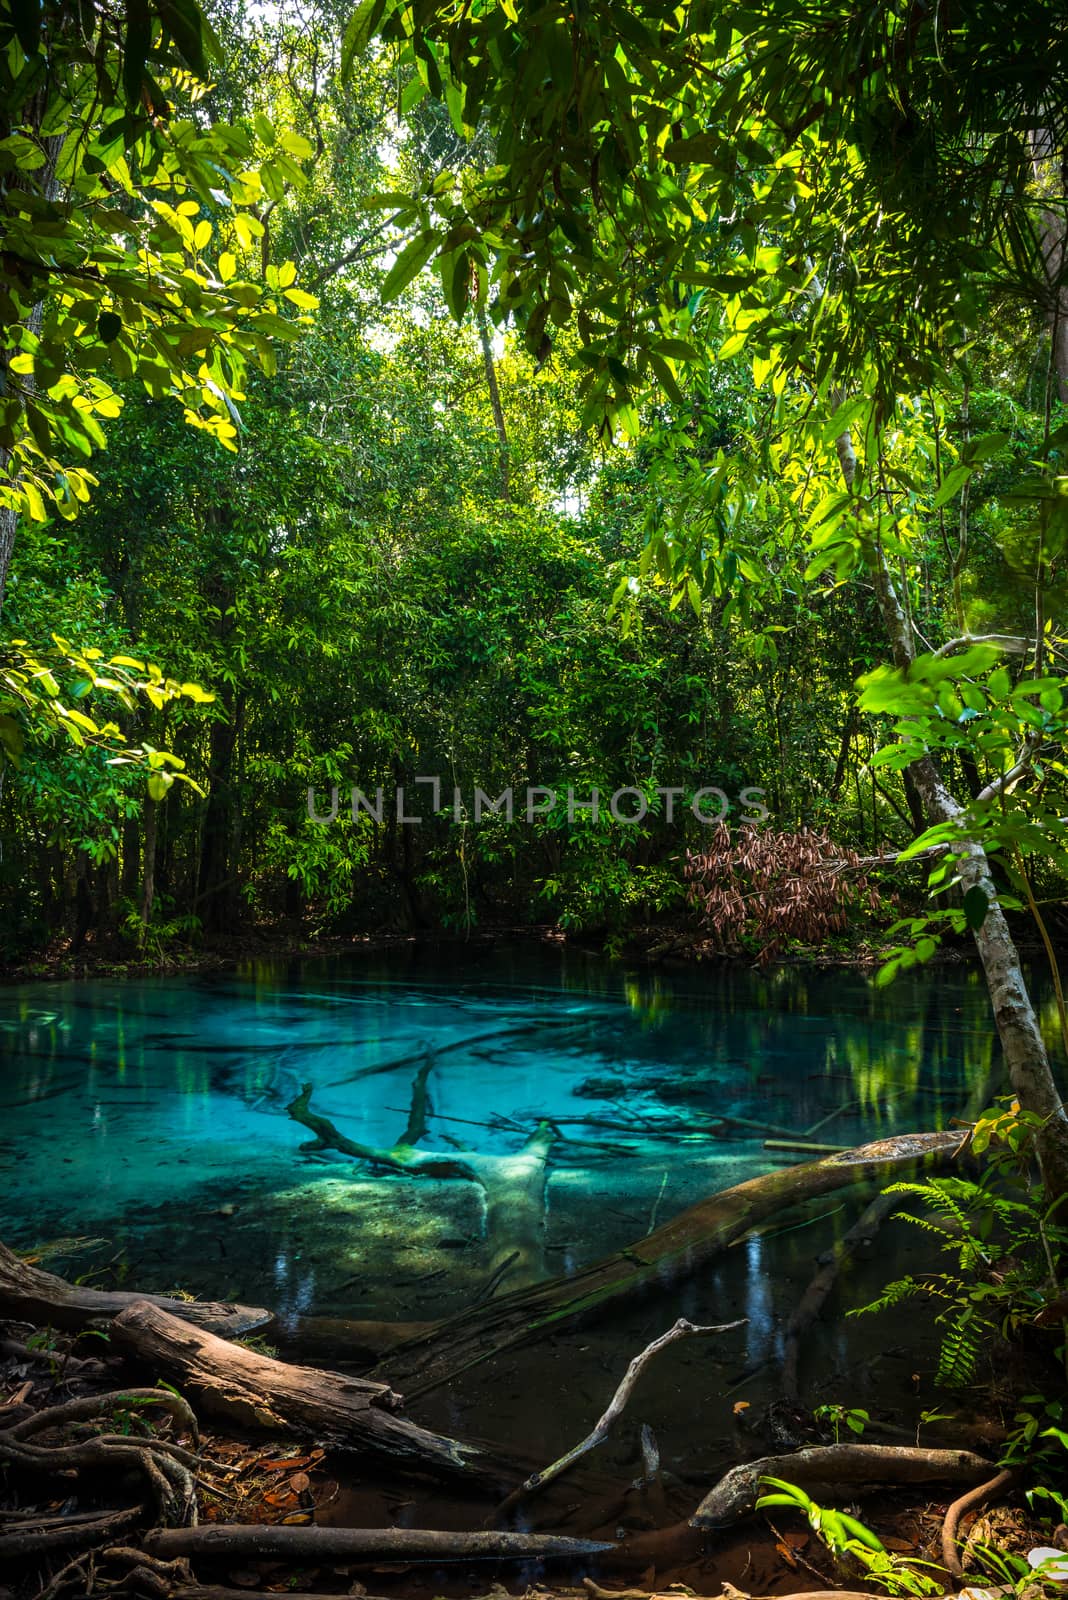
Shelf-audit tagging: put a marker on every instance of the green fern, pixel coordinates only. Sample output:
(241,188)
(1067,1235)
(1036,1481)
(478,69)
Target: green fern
(999,1247)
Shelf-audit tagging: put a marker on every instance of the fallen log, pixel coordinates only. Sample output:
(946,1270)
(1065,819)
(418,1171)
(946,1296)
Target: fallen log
(827,1471)
(272,1542)
(831,1263)
(214,1591)
(29,1294)
(656,1263)
(255,1390)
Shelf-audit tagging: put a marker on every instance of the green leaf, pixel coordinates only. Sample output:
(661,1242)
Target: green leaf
(987,445)
(411,261)
(953,482)
(108,326)
(136,46)
(976,906)
(361,26)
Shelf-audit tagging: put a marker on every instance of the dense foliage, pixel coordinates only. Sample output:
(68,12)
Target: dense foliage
(546,493)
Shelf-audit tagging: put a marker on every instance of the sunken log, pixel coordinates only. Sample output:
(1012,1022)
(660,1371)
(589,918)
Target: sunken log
(29,1294)
(657,1263)
(255,1390)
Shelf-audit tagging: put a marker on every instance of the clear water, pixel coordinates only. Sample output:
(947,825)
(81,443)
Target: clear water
(149,1116)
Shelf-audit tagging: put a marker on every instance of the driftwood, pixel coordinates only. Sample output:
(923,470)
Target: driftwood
(680,1330)
(973,1500)
(255,1390)
(513,1185)
(29,1294)
(656,1263)
(829,1470)
(830,1265)
(308,1545)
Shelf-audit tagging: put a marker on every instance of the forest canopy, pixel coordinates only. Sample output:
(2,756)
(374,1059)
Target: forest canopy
(587,398)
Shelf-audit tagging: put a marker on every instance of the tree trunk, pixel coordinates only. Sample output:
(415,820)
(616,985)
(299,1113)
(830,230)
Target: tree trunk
(148,871)
(215,897)
(30,1294)
(495,401)
(1025,1052)
(84,909)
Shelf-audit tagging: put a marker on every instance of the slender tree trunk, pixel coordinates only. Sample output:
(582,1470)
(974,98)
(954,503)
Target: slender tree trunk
(1053,248)
(215,897)
(495,401)
(148,873)
(843,752)
(1025,1052)
(1026,1058)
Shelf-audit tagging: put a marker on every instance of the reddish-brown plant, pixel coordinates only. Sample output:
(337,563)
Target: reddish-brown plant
(759,886)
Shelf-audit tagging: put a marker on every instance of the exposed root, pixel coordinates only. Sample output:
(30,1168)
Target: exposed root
(829,1471)
(50,1535)
(168,1471)
(974,1500)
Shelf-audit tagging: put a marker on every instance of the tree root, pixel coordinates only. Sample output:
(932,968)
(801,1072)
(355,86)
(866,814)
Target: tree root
(828,1471)
(974,1500)
(47,1535)
(830,1263)
(680,1330)
(169,1472)
(272,1542)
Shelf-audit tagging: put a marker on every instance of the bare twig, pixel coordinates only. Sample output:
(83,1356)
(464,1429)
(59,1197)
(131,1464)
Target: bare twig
(680,1330)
